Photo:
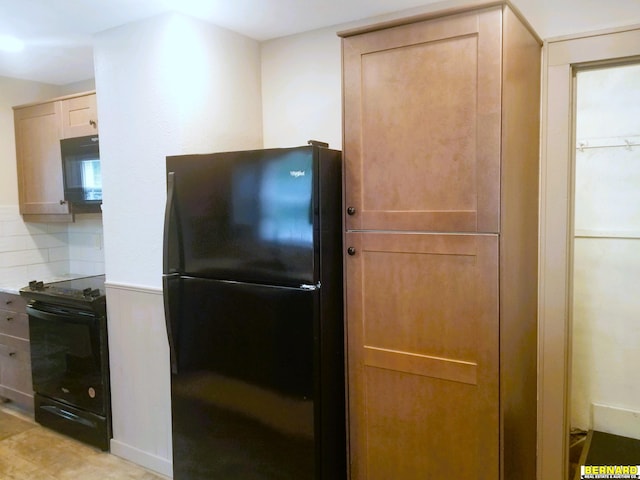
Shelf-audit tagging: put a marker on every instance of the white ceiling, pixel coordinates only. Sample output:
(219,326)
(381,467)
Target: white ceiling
(58,33)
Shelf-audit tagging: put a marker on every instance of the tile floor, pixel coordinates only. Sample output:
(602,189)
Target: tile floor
(31,452)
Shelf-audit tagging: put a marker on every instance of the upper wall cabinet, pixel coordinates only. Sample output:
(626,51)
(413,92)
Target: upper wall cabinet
(439,168)
(79,116)
(40,183)
(39,129)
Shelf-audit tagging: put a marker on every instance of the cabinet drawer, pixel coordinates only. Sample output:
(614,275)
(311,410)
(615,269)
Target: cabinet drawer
(12,302)
(14,324)
(15,364)
(13,319)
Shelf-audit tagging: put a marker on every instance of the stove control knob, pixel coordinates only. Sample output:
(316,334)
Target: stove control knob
(35,285)
(95,293)
(87,292)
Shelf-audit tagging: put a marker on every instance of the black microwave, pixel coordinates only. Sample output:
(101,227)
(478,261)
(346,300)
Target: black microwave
(81,169)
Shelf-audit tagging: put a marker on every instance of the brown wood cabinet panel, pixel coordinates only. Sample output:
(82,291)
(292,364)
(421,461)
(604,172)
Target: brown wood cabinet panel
(13,319)
(39,161)
(12,301)
(422,116)
(423,357)
(79,116)
(15,360)
(519,248)
(15,367)
(14,324)
(39,128)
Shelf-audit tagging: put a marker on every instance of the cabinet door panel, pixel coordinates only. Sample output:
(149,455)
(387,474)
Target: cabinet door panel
(422,125)
(15,364)
(14,324)
(79,116)
(39,160)
(423,358)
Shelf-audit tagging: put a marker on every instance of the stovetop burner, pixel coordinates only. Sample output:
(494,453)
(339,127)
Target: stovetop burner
(82,292)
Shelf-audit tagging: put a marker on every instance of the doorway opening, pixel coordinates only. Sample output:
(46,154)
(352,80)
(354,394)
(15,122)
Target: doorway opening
(562,58)
(604,407)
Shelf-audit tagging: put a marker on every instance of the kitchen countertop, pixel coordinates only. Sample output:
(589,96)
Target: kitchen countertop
(13,287)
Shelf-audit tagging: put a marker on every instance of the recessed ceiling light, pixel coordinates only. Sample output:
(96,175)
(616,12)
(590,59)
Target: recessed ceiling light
(11,44)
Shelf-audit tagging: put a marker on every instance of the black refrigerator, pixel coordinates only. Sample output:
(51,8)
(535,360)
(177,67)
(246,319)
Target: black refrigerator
(253,306)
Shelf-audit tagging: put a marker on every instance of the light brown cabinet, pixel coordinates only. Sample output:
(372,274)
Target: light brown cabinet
(79,116)
(422,125)
(39,129)
(423,355)
(441,183)
(40,183)
(15,361)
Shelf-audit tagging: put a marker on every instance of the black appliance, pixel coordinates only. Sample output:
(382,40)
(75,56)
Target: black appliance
(81,168)
(253,305)
(70,357)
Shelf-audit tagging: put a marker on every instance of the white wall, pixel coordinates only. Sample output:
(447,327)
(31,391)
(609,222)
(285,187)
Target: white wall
(166,86)
(606,328)
(301,89)
(77,87)
(86,245)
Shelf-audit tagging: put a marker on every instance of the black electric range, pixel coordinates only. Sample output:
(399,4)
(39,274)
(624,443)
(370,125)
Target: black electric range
(84,292)
(70,357)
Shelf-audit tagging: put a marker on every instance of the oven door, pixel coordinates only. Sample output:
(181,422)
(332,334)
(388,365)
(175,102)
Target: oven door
(69,355)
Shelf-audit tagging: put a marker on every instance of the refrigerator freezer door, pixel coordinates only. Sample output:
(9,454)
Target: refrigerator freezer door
(243,395)
(246,216)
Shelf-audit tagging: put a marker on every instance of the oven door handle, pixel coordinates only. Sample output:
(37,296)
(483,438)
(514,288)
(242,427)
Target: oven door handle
(68,415)
(72,317)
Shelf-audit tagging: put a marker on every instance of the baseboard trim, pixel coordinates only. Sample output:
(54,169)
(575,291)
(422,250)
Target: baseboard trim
(144,459)
(616,421)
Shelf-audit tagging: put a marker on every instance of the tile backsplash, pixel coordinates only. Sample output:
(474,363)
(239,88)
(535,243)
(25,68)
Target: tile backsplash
(85,240)
(31,251)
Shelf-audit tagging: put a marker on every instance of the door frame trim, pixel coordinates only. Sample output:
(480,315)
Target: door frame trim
(561,57)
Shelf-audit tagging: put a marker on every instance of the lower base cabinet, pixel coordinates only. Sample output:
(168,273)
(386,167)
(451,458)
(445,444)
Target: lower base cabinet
(15,357)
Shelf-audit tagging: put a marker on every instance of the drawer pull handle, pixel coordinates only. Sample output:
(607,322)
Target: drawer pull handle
(4,350)
(8,302)
(9,319)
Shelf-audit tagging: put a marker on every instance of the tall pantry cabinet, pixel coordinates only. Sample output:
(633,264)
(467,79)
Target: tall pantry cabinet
(441,123)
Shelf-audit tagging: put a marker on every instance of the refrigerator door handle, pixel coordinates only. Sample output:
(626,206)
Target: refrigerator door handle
(306,286)
(168,215)
(168,282)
